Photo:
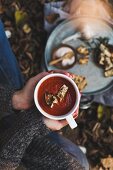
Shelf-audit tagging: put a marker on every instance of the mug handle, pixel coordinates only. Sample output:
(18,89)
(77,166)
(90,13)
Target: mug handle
(71,121)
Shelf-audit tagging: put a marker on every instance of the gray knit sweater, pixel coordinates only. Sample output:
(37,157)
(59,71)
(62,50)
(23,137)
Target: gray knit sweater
(24,144)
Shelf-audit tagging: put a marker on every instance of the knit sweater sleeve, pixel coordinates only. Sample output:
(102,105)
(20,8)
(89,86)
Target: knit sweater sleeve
(6,94)
(15,140)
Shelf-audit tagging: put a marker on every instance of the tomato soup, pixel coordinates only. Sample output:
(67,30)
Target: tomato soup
(52,85)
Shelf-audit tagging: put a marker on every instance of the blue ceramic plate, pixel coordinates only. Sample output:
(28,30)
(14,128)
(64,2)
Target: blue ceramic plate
(96,28)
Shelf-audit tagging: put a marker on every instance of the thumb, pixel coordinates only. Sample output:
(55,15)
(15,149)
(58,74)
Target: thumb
(38,77)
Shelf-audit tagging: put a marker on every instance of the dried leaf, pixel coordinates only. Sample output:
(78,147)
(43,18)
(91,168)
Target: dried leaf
(29,55)
(100,111)
(110,130)
(52,18)
(26,28)
(26,71)
(2,10)
(108,113)
(20,16)
(107,163)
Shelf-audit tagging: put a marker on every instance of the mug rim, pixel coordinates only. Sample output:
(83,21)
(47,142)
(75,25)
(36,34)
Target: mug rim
(74,108)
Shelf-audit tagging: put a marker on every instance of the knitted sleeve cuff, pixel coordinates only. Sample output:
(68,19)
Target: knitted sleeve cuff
(31,115)
(43,129)
(34,116)
(17,138)
(6,94)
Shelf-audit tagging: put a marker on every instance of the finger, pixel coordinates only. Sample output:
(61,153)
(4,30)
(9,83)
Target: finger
(57,71)
(38,77)
(75,114)
(69,74)
(61,71)
(63,123)
(64,72)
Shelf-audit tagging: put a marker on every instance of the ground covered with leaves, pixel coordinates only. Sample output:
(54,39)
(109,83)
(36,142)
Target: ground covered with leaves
(24,21)
(95,132)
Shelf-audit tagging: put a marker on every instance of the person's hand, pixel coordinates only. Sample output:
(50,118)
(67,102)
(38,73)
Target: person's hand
(23,99)
(56,125)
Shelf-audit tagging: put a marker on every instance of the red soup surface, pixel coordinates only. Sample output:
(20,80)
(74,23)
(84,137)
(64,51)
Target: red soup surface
(52,85)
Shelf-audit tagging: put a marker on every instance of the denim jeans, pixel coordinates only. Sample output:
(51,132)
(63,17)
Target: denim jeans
(10,74)
(9,70)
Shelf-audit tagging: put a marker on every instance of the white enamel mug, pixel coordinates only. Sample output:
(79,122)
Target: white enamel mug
(68,116)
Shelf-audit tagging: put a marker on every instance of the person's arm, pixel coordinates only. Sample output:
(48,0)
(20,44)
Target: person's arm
(11,100)
(26,124)
(6,94)
(15,140)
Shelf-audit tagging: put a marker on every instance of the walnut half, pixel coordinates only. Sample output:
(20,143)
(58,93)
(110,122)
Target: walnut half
(50,99)
(84,60)
(109,73)
(106,59)
(80,81)
(62,92)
